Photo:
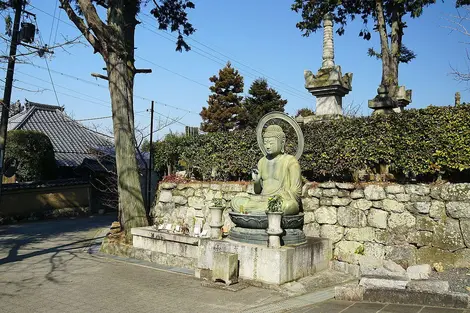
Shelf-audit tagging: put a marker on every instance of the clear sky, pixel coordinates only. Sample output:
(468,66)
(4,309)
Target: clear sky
(259,38)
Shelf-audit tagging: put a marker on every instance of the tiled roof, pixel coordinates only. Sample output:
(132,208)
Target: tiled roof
(71,140)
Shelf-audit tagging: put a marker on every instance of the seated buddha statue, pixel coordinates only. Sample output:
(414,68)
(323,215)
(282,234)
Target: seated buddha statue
(277,173)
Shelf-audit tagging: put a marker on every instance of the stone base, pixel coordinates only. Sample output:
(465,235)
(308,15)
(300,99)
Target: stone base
(329,105)
(257,263)
(169,249)
(269,266)
(260,237)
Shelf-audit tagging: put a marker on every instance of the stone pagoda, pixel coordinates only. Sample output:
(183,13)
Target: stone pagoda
(329,86)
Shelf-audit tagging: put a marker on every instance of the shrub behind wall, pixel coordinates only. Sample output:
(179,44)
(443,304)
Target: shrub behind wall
(419,144)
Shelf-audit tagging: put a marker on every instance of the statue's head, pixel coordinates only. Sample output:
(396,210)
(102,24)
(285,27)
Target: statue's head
(274,140)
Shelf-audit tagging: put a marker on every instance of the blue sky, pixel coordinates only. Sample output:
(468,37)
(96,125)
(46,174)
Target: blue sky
(259,38)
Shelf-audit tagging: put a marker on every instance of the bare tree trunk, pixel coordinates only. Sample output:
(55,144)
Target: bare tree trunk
(131,203)
(384,46)
(397,33)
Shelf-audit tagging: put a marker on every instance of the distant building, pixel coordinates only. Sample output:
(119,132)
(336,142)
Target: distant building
(72,141)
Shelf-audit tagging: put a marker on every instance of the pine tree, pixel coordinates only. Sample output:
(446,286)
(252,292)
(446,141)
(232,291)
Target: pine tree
(224,104)
(261,101)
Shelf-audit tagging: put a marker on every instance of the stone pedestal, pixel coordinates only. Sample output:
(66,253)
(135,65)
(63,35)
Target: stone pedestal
(384,104)
(225,268)
(216,222)
(270,266)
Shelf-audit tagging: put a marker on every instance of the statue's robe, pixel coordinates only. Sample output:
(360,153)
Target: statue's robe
(278,176)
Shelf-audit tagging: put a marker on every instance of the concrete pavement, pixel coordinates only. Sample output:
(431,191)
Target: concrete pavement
(45,267)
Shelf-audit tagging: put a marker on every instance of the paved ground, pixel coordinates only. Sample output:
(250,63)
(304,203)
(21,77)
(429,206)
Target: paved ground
(44,267)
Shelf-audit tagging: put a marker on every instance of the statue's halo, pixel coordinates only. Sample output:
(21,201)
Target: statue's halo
(286,118)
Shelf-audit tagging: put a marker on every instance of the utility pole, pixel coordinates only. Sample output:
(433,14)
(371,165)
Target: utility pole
(17,5)
(150,167)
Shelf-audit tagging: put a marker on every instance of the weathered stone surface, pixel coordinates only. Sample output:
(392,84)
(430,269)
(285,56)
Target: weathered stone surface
(421,207)
(394,267)
(310,204)
(401,222)
(393,206)
(330,192)
(424,222)
(225,267)
(382,283)
(351,292)
(350,217)
(465,227)
(312,230)
(346,251)
(352,269)
(360,234)
(167,186)
(375,250)
(417,272)
(417,198)
(420,238)
(326,201)
(233,187)
(357,194)
(393,189)
(383,273)
(432,255)
(402,197)
(420,190)
(332,232)
(458,209)
(361,204)
(437,286)
(374,192)
(435,192)
(462,258)
(217,187)
(455,192)
(381,236)
(180,200)
(447,235)
(448,299)
(377,204)
(340,201)
(315,192)
(377,218)
(196,202)
(437,209)
(309,217)
(188,192)
(391,197)
(165,196)
(326,215)
(347,186)
(343,193)
(404,255)
(327,185)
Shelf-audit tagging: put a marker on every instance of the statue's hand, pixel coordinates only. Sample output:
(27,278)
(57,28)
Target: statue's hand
(255,175)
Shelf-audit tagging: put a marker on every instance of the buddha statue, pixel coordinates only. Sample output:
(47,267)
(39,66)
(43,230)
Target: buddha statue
(278,173)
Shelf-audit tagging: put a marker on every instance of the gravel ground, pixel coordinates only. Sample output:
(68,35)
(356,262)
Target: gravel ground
(458,278)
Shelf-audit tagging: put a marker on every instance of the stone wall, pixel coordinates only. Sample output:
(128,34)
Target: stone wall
(409,224)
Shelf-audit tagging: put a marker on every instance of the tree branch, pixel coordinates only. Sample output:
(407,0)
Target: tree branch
(80,24)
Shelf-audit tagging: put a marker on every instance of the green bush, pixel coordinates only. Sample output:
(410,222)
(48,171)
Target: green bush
(419,144)
(35,154)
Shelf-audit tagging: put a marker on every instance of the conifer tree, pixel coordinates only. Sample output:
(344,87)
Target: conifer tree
(224,104)
(262,100)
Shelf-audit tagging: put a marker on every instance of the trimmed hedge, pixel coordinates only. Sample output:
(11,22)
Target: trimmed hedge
(35,154)
(423,144)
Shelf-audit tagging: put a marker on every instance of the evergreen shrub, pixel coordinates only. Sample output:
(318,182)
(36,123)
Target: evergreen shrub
(417,144)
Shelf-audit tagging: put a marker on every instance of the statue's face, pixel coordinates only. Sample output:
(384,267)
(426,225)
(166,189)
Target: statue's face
(273,145)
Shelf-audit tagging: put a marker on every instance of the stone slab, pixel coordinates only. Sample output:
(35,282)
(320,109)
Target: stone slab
(417,272)
(267,265)
(150,232)
(383,283)
(405,296)
(429,285)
